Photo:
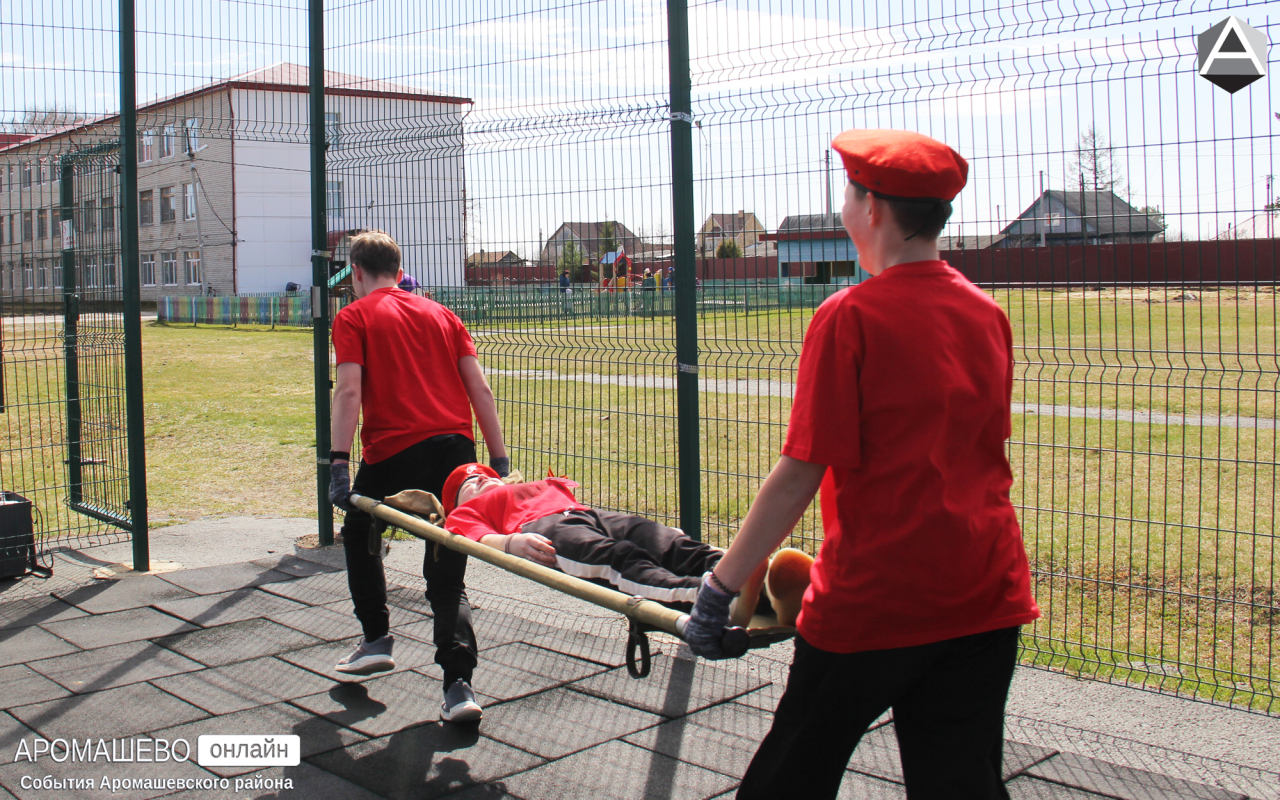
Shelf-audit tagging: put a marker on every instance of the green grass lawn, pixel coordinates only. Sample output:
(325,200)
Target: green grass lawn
(1151,543)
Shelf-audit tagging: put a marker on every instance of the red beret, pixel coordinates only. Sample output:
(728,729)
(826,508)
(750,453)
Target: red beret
(902,164)
(455,480)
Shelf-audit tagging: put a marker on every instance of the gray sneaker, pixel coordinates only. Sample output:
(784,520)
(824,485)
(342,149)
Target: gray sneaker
(460,704)
(369,657)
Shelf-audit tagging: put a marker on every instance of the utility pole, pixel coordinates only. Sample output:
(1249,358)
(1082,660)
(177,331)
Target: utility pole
(828,176)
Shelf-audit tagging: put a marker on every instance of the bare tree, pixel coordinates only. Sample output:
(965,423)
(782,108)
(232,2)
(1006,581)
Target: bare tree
(36,121)
(1095,163)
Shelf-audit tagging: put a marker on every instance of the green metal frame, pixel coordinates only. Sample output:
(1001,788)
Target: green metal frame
(319,271)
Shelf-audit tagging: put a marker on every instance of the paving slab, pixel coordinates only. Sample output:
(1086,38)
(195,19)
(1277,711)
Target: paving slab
(215,580)
(619,771)
(315,590)
(408,653)
(260,682)
(486,791)
(34,610)
(23,685)
(19,645)
(765,698)
(579,644)
(496,628)
(399,615)
(118,665)
(410,599)
(109,714)
(292,565)
(556,723)
(516,670)
(857,786)
(426,762)
(134,591)
(327,623)
(1125,783)
(233,606)
(723,738)
(674,687)
(1028,788)
(117,627)
(877,755)
(316,735)
(237,641)
(308,781)
(381,706)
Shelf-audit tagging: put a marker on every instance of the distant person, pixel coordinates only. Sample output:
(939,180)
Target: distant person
(409,283)
(669,281)
(409,366)
(292,287)
(564,282)
(902,416)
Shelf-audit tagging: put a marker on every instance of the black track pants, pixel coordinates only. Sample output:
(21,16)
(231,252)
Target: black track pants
(635,555)
(948,703)
(425,466)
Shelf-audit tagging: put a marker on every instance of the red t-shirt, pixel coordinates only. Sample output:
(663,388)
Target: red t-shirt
(506,509)
(903,391)
(410,388)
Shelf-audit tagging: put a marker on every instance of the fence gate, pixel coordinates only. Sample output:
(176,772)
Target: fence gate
(62,387)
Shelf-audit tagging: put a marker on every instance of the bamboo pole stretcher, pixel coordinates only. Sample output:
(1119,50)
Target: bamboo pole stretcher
(642,612)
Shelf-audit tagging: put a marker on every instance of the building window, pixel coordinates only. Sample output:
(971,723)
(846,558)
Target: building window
(193,135)
(42,276)
(146,150)
(109,270)
(42,224)
(166,204)
(189,198)
(333,129)
(148,268)
(169,268)
(191,271)
(88,216)
(108,214)
(26,174)
(28,228)
(146,207)
(57,273)
(90,276)
(333,199)
(166,141)
(44,171)
(28,279)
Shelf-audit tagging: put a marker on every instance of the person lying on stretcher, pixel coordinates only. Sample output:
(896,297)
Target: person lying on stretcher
(543,522)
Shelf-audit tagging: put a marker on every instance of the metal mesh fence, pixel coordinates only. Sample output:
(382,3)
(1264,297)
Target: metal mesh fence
(1120,208)
(62,379)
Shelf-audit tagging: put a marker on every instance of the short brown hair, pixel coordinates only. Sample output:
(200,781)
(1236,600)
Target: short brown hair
(375,252)
(924,218)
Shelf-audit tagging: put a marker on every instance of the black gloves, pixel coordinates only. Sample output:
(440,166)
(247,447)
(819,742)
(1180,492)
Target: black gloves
(501,465)
(340,486)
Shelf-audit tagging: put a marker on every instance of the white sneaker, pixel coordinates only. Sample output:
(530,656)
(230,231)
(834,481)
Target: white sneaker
(460,704)
(369,657)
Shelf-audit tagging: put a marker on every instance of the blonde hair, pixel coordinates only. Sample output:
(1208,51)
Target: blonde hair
(375,252)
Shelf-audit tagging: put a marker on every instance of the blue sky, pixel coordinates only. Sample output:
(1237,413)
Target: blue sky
(569,116)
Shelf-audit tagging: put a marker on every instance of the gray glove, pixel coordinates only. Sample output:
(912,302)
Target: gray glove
(707,622)
(340,486)
(501,465)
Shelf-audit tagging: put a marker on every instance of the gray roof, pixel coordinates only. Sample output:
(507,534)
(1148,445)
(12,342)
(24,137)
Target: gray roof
(979,242)
(1104,213)
(800,223)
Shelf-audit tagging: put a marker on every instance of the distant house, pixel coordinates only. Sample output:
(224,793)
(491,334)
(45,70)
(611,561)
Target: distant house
(1260,226)
(590,240)
(1058,218)
(818,239)
(969,242)
(495,258)
(743,228)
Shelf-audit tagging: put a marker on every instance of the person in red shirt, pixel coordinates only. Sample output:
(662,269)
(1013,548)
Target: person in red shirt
(543,522)
(900,416)
(408,364)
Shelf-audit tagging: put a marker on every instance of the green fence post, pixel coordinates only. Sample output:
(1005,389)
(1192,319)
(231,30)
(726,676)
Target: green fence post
(71,332)
(319,271)
(135,417)
(689,428)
